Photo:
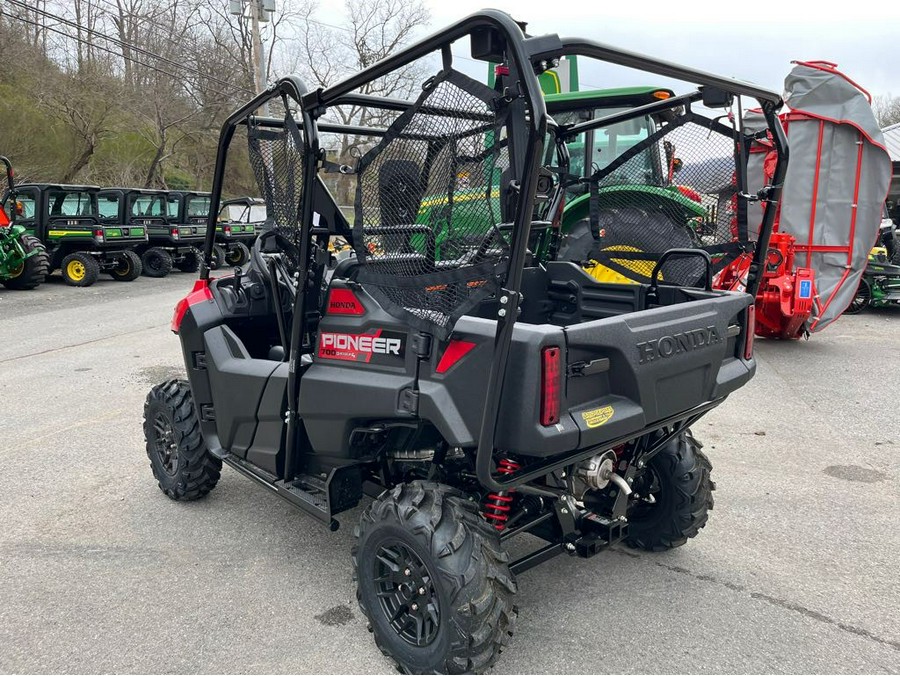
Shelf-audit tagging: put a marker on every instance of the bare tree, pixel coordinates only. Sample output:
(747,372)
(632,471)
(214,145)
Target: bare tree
(84,102)
(372,31)
(886,109)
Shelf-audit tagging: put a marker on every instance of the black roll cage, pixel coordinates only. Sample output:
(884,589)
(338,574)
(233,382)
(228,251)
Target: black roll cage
(525,56)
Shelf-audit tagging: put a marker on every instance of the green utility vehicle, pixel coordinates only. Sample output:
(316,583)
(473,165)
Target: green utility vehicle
(189,210)
(237,226)
(169,243)
(66,219)
(23,258)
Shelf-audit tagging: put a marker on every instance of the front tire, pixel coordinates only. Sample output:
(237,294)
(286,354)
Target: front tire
(128,267)
(80,269)
(181,463)
(674,497)
(33,269)
(433,580)
(157,262)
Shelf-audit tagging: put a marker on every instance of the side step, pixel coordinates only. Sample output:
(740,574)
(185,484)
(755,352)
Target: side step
(319,498)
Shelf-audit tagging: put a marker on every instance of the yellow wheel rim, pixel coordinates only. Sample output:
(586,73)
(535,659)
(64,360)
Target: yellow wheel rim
(75,270)
(604,274)
(16,271)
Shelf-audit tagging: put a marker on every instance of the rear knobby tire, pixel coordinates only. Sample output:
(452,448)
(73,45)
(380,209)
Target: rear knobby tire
(80,269)
(219,257)
(181,463)
(190,262)
(469,588)
(34,269)
(157,262)
(127,268)
(678,478)
(238,254)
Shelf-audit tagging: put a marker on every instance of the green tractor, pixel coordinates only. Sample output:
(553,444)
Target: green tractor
(638,203)
(24,262)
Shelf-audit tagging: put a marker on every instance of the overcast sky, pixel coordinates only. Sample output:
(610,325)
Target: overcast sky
(753,41)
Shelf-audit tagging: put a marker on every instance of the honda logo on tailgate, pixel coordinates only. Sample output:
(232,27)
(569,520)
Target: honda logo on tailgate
(666,346)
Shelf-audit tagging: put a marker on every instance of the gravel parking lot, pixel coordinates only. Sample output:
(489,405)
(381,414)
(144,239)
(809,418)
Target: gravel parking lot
(797,570)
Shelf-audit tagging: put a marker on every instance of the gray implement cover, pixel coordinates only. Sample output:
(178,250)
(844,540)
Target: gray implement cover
(837,181)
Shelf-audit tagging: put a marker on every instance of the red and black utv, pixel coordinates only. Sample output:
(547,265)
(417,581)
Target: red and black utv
(475,394)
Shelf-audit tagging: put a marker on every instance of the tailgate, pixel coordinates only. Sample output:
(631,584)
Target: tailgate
(627,372)
(125,234)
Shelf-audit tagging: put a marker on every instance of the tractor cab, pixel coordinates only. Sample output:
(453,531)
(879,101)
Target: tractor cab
(595,149)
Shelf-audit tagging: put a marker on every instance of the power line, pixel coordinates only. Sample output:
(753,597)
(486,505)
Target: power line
(105,49)
(122,43)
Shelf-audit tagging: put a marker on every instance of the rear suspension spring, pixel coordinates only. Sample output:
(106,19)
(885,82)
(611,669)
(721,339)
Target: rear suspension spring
(498,505)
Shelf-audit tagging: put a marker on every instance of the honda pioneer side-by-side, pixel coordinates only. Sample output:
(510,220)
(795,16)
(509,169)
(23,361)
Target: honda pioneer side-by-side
(473,390)
(66,219)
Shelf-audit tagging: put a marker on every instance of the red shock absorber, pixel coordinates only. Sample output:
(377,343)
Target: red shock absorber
(497,505)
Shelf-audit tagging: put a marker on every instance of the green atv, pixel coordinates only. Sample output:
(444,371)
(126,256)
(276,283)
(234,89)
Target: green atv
(65,218)
(238,225)
(23,258)
(169,244)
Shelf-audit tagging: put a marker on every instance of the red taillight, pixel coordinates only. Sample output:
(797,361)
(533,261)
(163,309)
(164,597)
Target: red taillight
(198,294)
(227,229)
(456,350)
(98,233)
(550,385)
(174,232)
(344,302)
(751,330)
(4,219)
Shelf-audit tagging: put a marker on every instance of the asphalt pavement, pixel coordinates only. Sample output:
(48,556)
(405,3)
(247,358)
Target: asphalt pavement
(796,572)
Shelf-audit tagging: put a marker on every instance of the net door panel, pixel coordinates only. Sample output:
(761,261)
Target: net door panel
(427,212)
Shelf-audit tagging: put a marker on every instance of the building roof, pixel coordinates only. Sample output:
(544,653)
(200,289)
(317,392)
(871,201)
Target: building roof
(892,141)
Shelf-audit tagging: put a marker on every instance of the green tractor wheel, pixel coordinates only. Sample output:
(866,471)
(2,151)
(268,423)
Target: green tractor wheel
(861,300)
(30,273)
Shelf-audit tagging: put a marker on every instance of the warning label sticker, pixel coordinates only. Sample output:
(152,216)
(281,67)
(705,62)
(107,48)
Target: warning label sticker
(597,416)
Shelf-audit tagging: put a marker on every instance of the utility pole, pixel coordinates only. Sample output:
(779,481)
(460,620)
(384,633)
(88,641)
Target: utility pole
(259,11)
(259,53)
